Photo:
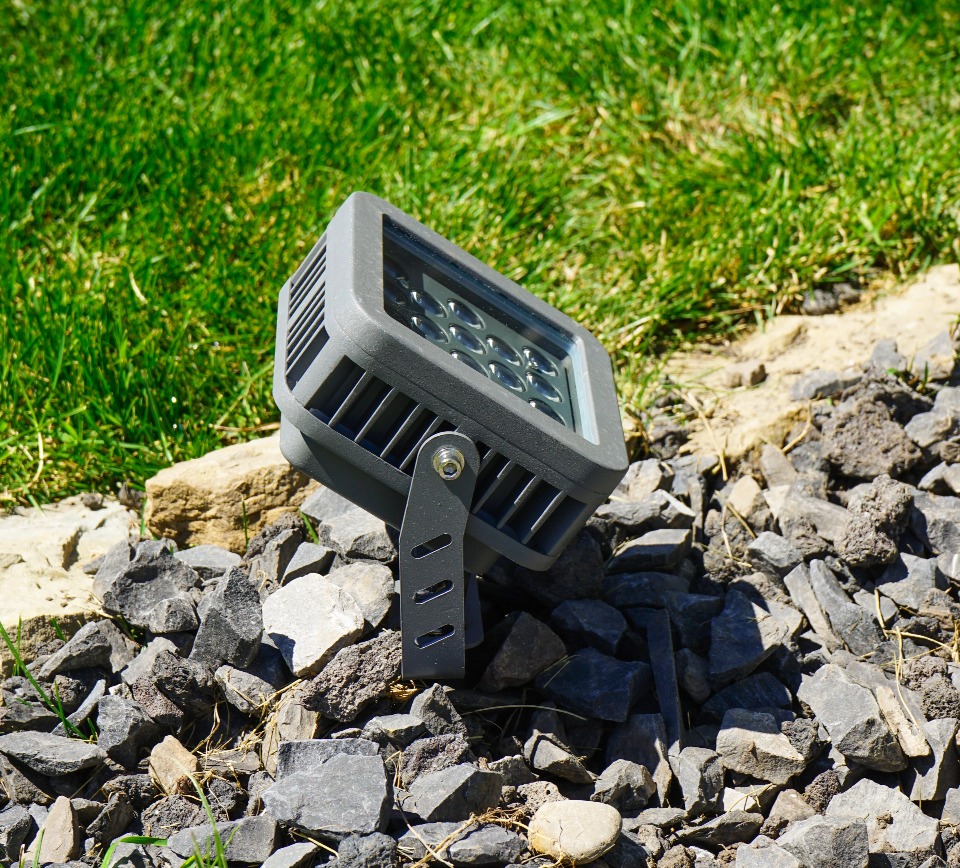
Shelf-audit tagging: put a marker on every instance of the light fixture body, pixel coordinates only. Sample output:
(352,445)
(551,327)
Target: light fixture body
(360,388)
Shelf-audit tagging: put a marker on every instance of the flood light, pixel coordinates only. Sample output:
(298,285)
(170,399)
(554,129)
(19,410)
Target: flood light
(442,397)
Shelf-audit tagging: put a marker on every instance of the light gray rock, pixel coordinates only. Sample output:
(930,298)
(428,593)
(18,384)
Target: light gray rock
(294,856)
(822,842)
(886,357)
(776,467)
(249,840)
(821,383)
(751,743)
(859,632)
(124,728)
(529,648)
(893,822)
(936,521)
(370,583)
(346,795)
(764,853)
(700,773)
(210,562)
(309,558)
(435,709)
(231,624)
(15,825)
(852,718)
(305,756)
(142,664)
(455,793)
(742,636)
(249,689)
(936,359)
(473,845)
(357,535)
(773,554)
(309,620)
(626,785)
(811,524)
(908,580)
(355,677)
(90,646)
(643,739)
(931,776)
(51,754)
(398,729)
(799,585)
(655,550)
(721,831)
(574,830)
(546,754)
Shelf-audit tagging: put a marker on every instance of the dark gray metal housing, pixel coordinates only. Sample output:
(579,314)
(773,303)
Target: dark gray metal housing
(360,392)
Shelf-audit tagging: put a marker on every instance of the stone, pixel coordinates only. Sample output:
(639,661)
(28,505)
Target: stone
(936,360)
(700,773)
(828,843)
(399,729)
(858,630)
(764,853)
(574,830)
(435,709)
(299,855)
(747,373)
(153,591)
(886,357)
(644,477)
(58,838)
(349,794)
(291,721)
(723,830)
(90,646)
(936,522)
(123,729)
(224,496)
(455,793)
(811,524)
(751,743)
(249,840)
(426,755)
(231,625)
(656,550)
(776,467)
(355,677)
(309,620)
(577,574)
(366,851)
(625,590)
(174,689)
(50,754)
(926,429)
(595,685)
(210,562)
(820,383)
(309,558)
(169,815)
(690,615)
(271,551)
(861,440)
(908,580)
(357,535)
(772,554)
(370,584)
(931,776)
(910,736)
(323,504)
(529,648)
(643,740)
(473,845)
(15,825)
(693,675)
(893,822)
(111,820)
(590,623)
(546,754)
(758,691)
(307,755)
(249,690)
(173,767)
(800,587)
(742,636)
(852,718)
(618,521)
(626,785)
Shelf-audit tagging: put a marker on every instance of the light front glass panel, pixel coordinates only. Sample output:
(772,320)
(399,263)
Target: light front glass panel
(479,326)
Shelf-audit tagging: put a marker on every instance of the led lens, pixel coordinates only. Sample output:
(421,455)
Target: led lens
(466,314)
(505,377)
(503,350)
(537,361)
(467,339)
(468,361)
(541,387)
(427,303)
(429,329)
(547,411)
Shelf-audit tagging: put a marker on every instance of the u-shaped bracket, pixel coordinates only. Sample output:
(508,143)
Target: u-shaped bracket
(432,581)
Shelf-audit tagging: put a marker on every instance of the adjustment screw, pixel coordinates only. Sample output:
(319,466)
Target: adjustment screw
(448,462)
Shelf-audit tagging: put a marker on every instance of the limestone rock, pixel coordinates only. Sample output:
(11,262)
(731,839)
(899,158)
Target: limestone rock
(574,830)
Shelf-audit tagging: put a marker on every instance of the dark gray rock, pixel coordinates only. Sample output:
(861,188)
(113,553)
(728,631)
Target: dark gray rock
(174,689)
(691,614)
(208,561)
(399,729)
(309,558)
(655,550)
(693,675)
(700,773)
(588,623)
(435,709)
(346,795)
(729,828)
(878,515)
(626,785)
(111,821)
(595,685)
(51,754)
(357,535)
(886,357)
(355,677)
(475,845)
(625,590)
(936,359)
(811,524)
(852,718)
(824,843)
(231,624)
(577,574)
(936,522)
(758,691)
(15,825)
(820,383)
(300,855)
(249,689)
(169,815)
(366,851)
(426,755)
(267,566)
(90,646)
(742,636)
(139,789)
(454,793)
(547,754)
(152,591)
(859,631)
(621,520)
(250,840)
(529,648)
(124,728)
(307,755)
(861,440)
(773,554)
(643,740)
(908,580)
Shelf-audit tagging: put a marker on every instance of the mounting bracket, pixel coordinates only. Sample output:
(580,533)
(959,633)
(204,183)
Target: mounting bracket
(433,587)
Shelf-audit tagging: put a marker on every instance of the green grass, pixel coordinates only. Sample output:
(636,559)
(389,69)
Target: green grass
(662,172)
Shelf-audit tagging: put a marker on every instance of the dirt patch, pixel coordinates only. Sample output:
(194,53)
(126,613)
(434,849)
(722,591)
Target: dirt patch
(742,419)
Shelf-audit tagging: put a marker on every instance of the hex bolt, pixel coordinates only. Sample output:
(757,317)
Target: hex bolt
(448,462)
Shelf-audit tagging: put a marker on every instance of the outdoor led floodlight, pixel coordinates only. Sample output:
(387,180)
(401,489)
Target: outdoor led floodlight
(448,401)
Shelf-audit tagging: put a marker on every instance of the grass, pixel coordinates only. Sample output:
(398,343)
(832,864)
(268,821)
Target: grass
(662,172)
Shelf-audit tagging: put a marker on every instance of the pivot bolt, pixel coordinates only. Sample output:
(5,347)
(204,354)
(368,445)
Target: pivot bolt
(448,462)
